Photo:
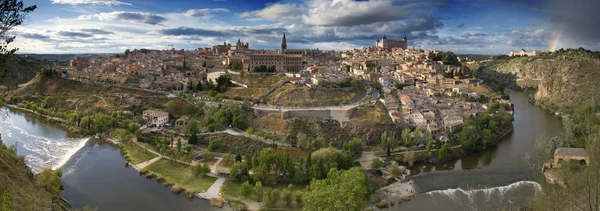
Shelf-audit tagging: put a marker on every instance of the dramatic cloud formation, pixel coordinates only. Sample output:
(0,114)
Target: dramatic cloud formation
(578,21)
(74,34)
(140,17)
(349,13)
(93,2)
(97,31)
(476,34)
(71,26)
(203,12)
(274,12)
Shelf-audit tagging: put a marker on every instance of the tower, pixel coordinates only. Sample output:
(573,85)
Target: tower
(405,42)
(283,44)
(384,42)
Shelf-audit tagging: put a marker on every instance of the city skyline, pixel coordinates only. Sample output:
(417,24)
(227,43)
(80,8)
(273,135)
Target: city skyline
(482,27)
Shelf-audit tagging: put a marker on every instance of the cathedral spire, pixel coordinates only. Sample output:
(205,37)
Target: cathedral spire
(283,43)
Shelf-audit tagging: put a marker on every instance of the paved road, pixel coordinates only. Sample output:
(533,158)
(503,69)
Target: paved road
(147,163)
(213,191)
(213,168)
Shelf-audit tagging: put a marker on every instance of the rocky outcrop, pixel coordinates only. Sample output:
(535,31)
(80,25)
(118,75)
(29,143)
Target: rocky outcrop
(559,81)
(22,69)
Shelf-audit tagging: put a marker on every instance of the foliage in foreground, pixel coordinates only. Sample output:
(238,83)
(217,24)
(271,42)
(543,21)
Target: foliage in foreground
(341,190)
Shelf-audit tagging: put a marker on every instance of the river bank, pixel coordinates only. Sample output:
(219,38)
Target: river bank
(94,172)
(500,177)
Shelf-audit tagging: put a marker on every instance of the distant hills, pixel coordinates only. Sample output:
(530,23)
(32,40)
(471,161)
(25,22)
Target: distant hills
(62,57)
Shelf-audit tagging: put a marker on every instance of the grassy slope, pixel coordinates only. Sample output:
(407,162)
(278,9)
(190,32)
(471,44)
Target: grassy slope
(371,115)
(297,94)
(136,153)
(17,179)
(85,96)
(176,173)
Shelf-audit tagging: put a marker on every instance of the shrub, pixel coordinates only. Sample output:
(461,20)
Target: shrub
(176,189)
(189,193)
(246,189)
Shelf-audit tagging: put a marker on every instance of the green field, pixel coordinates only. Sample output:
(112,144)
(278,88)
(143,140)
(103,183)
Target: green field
(136,153)
(176,173)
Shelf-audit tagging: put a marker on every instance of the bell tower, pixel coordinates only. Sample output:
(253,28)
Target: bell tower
(283,44)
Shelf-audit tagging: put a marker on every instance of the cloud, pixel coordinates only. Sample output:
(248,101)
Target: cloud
(460,26)
(97,31)
(476,34)
(74,34)
(139,17)
(351,13)
(35,36)
(529,38)
(92,2)
(191,31)
(274,12)
(203,12)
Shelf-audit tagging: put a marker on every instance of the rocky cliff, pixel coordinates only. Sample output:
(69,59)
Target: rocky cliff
(559,81)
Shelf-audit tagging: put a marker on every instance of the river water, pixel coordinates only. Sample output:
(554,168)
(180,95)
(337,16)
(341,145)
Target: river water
(499,178)
(94,173)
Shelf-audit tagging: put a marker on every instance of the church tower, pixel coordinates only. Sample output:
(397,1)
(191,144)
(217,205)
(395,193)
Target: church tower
(283,44)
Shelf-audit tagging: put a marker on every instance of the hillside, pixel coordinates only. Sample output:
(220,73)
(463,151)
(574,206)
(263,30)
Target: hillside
(87,96)
(561,81)
(18,188)
(22,69)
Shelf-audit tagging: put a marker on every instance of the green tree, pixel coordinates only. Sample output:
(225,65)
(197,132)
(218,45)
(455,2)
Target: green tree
(246,189)
(388,141)
(258,189)
(236,65)
(341,190)
(406,137)
(193,139)
(353,146)
(444,151)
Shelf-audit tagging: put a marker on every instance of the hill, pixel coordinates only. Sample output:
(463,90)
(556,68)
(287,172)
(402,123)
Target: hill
(560,81)
(22,69)
(18,189)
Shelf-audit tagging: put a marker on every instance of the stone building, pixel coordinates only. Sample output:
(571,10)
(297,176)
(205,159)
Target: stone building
(391,44)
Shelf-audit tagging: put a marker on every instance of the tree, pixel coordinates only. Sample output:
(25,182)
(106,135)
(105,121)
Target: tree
(353,146)
(236,65)
(341,190)
(406,137)
(388,141)
(258,189)
(376,163)
(444,151)
(246,189)
(193,139)
(12,14)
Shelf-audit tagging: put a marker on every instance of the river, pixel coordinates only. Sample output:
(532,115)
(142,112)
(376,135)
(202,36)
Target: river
(94,173)
(499,178)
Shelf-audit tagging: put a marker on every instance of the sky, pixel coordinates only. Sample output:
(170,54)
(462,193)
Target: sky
(461,26)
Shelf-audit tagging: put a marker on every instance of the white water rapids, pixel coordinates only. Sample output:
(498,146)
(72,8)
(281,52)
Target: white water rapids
(43,145)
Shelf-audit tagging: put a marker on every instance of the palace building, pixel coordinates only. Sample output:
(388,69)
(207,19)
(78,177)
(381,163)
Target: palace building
(390,44)
(284,61)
